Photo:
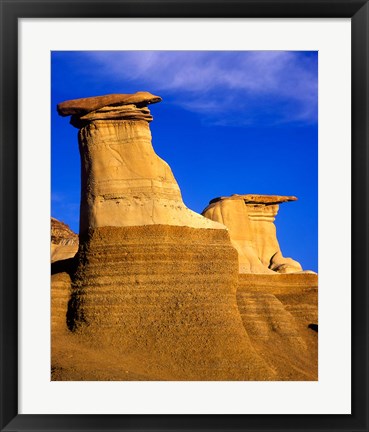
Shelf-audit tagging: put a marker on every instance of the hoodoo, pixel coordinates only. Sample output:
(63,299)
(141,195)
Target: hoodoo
(155,283)
(250,220)
(124,182)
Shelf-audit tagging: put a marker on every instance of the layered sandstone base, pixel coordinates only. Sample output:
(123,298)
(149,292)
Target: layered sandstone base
(298,292)
(193,332)
(280,315)
(60,296)
(164,298)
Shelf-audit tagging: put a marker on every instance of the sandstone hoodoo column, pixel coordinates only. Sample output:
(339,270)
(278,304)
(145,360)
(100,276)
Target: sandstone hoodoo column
(155,282)
(250,220)
(124,182)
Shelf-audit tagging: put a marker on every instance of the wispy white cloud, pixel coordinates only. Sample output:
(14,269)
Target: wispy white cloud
(56,197)
(235,86)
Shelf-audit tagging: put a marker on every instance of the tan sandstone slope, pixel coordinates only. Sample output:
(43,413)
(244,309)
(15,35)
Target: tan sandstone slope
(280,315)
(154,291)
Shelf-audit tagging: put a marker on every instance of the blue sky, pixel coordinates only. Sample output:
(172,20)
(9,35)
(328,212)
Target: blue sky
(230,122)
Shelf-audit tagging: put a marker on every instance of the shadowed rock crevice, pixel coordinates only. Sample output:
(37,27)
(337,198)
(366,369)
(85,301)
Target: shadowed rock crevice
(313,327)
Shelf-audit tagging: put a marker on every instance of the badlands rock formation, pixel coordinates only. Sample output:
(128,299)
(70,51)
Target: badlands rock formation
(154,292)
(124,182)
(280,315)
(154,281)
(249,219)
(64,242)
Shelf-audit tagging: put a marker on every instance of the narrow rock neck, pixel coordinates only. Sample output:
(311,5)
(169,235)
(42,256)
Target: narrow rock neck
(260,212)
(264,231)
(121,174)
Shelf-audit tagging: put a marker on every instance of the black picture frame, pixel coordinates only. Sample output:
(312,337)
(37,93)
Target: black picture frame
(11,10)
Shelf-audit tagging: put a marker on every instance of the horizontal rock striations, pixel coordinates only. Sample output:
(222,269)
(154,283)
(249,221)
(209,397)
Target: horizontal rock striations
(280,314)
(155,282)
(60,296)
(80,107)
(282,340)
(154,292)
(166,296)
(250,220)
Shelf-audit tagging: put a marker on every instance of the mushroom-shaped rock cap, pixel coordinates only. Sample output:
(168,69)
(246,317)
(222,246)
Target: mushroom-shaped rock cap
(83,106)
(257,199)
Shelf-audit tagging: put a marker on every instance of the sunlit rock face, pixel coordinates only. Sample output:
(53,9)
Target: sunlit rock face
(154,284)
(250,220)
(124,182)
(154,292)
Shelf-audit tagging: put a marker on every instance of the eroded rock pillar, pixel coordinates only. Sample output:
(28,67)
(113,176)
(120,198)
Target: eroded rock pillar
(250,220)
(155,282)
(123,181)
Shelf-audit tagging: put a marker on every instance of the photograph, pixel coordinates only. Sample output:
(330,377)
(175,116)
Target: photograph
(184,215)
(184,230)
